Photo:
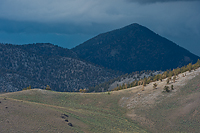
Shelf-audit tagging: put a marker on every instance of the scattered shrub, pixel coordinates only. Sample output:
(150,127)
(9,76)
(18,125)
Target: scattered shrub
(27,88)
(154,85)
(166,88)
(168,80)
(70,124)
(172,87)
(83,90)
(48,87)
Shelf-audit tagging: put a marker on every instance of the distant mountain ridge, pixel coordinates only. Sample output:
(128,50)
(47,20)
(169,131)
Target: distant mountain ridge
(134,48)
(125,50)
(44,64)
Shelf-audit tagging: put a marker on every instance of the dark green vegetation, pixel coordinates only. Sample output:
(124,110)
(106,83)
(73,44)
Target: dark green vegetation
(39,65)
(97,112)
(134,48)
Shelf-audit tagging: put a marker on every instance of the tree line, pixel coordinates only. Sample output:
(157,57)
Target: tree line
(167,74)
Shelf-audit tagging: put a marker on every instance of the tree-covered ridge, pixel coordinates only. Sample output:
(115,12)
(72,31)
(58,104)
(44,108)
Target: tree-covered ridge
(141,78)
(169,74)
(93,63)
(39,65)
(122,80)
(134,48)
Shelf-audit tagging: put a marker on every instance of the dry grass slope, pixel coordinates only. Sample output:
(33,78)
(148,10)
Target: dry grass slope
(42,110)
(130,110)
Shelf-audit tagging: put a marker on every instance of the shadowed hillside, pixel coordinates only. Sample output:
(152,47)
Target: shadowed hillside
(134,48)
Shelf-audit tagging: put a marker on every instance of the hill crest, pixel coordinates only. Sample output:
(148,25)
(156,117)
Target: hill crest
(134,48)
(129,110)
(40,65)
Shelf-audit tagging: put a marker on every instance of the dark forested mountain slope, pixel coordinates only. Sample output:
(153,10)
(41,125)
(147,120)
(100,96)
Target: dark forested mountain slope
(39,65)
(134,48)
(47,50)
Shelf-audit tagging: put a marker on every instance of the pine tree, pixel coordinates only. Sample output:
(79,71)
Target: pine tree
(28,88)
(154,85)
(174,78)
(198,62)
(166,88)
(168,80)
(85,90)
(172,87)
(144,82)
(48,87)
(189,67)
(125,86)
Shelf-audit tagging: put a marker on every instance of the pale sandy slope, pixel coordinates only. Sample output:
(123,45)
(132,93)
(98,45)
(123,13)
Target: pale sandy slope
(140,103)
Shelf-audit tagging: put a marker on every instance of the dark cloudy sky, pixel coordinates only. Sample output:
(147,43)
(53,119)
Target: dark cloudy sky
(68,23)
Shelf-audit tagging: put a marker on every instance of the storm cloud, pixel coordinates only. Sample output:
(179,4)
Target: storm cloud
(28,21)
